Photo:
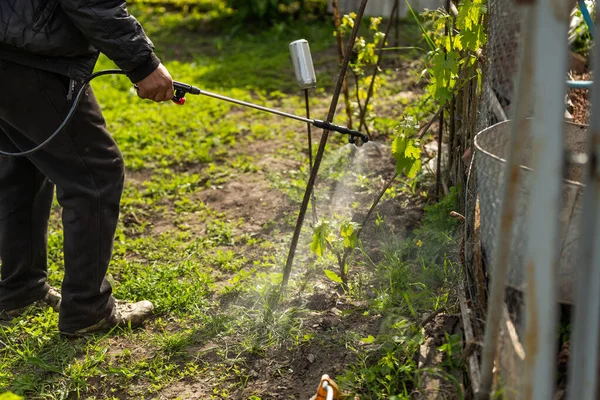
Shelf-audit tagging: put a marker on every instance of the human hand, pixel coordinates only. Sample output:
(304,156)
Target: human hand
(158,86)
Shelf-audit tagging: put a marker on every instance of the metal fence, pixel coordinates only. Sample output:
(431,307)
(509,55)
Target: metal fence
(532,237)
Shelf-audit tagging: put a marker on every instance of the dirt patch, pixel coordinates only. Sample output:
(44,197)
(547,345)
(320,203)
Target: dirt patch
(284,373)
(198,388)
(248,197)
(296,375)
(430,357)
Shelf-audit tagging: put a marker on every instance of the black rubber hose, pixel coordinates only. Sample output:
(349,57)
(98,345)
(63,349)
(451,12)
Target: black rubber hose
(69,116)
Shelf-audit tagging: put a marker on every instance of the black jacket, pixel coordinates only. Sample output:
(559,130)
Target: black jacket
(66,36)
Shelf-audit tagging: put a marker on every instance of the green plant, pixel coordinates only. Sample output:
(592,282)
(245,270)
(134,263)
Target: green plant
(580,37)
(433,240)
(335,236)
(390,369)
(452,350)
(220,232)
(364,52)
(364,58)
(406,149)
(417,276)
(455,44)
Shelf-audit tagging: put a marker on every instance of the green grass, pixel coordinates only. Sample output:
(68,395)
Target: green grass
(209,275)
(413,281)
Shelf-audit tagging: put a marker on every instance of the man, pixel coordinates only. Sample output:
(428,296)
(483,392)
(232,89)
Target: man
(47,48)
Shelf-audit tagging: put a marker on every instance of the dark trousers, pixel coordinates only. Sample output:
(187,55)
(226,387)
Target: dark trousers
(86,166)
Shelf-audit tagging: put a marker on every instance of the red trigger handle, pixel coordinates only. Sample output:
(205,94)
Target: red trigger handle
(179,97)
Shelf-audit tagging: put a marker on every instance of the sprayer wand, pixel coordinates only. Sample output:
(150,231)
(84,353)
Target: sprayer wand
(182,88)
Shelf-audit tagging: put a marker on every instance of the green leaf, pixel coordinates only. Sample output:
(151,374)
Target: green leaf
(333,276)
(474,39)
(443,94)
(399,146)
(348,231)
(414,169)
(368,340)
(10,396)
(407,156)
(411,151)
(320,238)
(276,278)
(409,304)
(445,64)
(470,14)
(43,364)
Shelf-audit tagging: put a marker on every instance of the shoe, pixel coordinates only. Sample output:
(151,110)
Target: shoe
(123,314)
(51,299)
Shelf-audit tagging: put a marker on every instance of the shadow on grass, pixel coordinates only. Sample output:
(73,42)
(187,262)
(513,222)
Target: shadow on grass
(229,55)
(218,52)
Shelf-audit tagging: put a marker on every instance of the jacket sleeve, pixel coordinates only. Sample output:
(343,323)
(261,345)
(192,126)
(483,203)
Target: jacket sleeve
(110,28)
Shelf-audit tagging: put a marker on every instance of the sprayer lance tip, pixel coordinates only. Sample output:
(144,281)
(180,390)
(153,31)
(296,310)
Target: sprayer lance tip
(341,129)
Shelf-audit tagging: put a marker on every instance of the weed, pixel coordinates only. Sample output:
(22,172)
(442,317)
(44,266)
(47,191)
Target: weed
(174,343)
(220,232)
(418,276)
(389,369)
(452,349)
(336,239)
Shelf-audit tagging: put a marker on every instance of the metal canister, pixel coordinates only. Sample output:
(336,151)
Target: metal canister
(303,64)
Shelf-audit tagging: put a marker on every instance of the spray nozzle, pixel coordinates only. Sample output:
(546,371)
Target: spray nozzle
(342,129)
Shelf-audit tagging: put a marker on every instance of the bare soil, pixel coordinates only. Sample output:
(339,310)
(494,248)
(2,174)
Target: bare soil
(580,100)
